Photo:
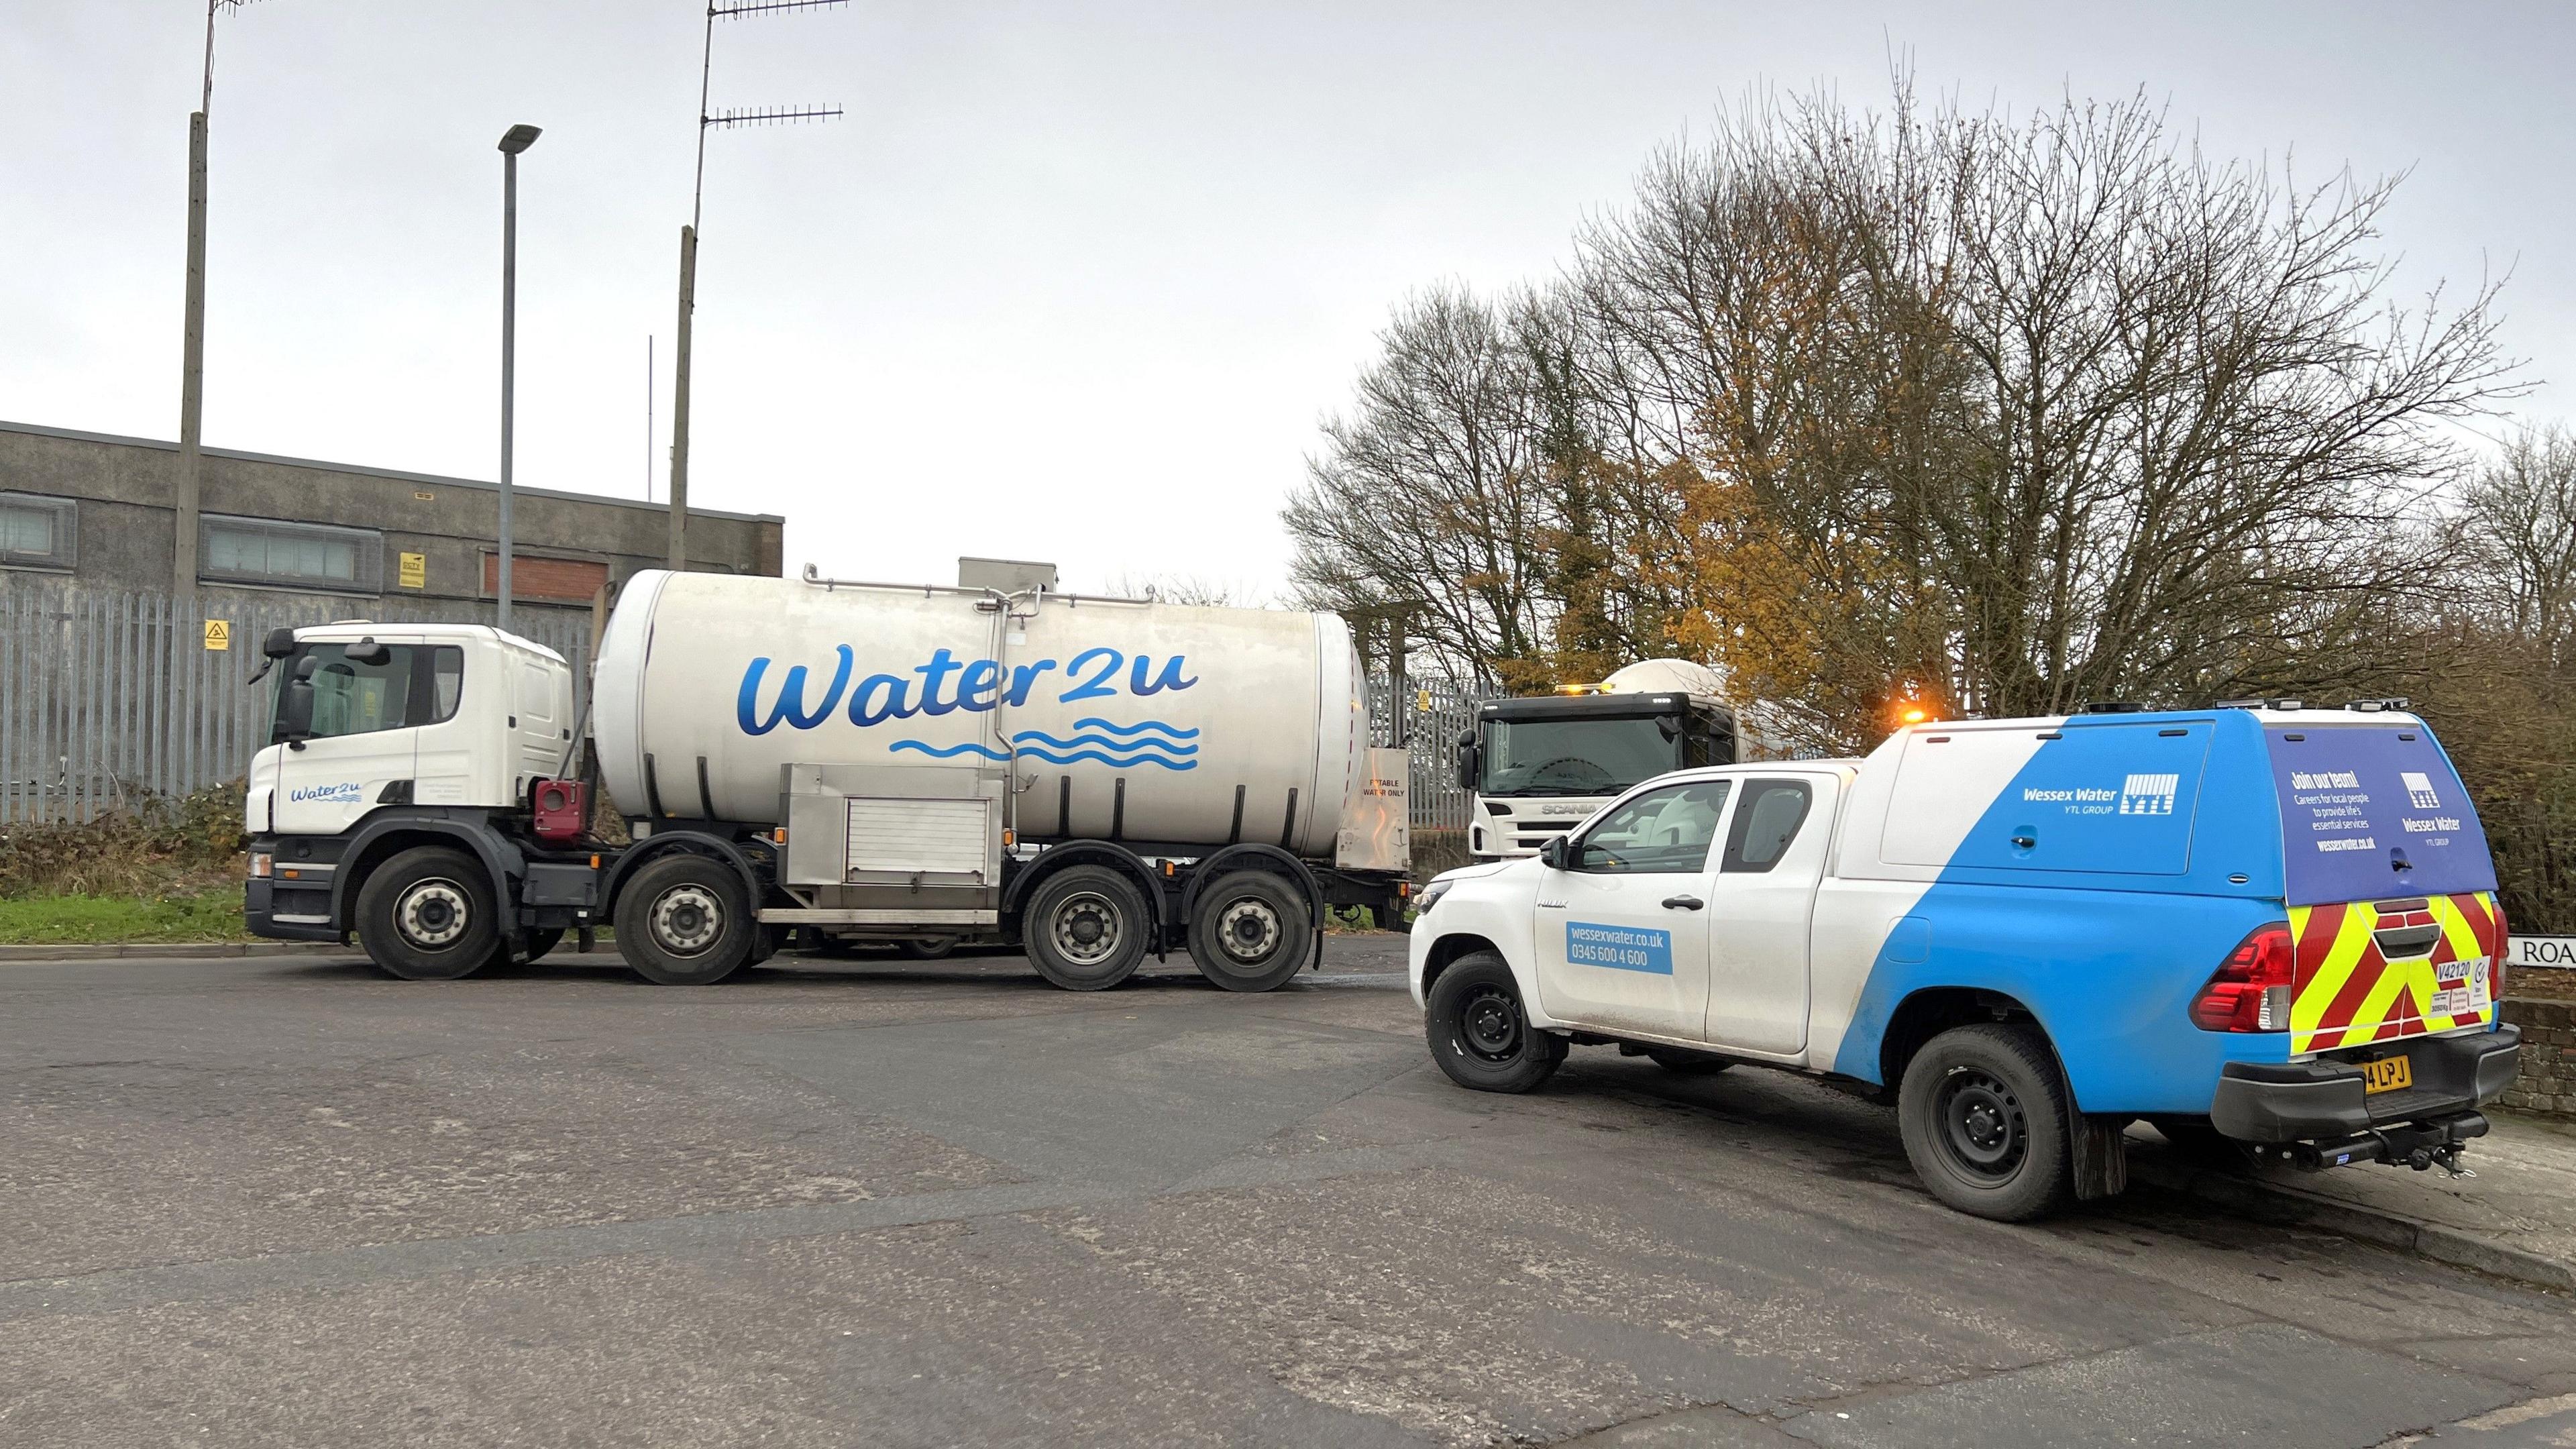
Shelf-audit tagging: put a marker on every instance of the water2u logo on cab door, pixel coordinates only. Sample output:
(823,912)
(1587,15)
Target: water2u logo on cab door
(1620,948)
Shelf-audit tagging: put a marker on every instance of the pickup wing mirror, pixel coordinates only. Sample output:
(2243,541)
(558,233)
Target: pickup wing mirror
(1557,854)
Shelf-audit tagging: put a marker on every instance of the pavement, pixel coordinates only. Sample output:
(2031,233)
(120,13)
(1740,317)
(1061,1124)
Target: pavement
(289,1201)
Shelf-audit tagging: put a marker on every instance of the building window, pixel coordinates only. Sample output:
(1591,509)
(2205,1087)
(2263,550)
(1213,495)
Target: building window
(290,555)
(36,532)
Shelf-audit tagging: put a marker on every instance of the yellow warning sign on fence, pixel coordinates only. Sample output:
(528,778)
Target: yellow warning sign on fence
(412,571)
(219,633)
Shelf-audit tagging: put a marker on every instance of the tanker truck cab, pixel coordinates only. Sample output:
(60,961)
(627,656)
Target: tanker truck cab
(392,737)
(2268,929)
(1540,766)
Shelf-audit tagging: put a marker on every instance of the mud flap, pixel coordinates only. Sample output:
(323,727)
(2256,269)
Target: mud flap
(2101,1151)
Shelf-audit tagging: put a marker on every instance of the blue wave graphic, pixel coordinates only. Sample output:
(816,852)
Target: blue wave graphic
(1128,753)
(1121,762)
(949,751)
(1137,728)
(1104,741)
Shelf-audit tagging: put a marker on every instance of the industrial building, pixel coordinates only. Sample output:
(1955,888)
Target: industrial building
(98,510)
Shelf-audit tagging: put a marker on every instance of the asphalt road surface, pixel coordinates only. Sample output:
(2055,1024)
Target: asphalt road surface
(287,1201)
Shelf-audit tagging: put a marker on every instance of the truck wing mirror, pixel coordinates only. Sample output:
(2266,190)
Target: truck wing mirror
(1557,854)
(279,644)
(295,709)
(1470,762)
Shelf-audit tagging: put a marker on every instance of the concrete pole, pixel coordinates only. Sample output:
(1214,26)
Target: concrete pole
(509,351)
(192,368)
(680,402)
(1398,719)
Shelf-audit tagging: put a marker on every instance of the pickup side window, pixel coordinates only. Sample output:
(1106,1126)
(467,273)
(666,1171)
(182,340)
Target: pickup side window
(1767,818)
(1665,832)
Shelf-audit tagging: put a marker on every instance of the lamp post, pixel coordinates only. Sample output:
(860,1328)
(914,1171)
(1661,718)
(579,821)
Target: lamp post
(513,141)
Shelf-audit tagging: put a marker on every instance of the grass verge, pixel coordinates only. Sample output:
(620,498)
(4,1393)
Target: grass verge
(81,920)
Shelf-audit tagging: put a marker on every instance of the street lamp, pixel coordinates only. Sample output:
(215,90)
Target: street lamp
(513,141)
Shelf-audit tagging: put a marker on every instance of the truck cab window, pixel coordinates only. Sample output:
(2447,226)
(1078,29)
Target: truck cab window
(1575,756)
(1664,831)
(1766,820)
(414,684)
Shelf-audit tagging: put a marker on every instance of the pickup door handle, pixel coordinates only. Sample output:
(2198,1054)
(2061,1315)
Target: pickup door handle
(1683,903)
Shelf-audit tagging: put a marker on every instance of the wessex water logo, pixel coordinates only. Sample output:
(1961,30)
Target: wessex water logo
(346,790)
(947,685)
(2148,794)
(2419,790)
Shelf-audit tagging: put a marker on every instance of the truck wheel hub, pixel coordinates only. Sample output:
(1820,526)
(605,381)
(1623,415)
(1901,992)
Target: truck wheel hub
(1086,929)
(1249,929)
(687,920)
(1493,1025)
(432,913)
(1982,1122)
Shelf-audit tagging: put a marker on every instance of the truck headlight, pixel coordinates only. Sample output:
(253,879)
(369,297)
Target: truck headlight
(1430,896)
(262,865)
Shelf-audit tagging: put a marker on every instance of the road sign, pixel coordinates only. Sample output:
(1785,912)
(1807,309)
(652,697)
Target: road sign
(2544,951)
(413,571)
(219,634)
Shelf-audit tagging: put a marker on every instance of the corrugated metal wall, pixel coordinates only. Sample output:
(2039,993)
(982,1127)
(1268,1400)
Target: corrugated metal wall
(111,699)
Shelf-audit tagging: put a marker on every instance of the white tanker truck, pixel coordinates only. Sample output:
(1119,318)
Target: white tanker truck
(1094,779)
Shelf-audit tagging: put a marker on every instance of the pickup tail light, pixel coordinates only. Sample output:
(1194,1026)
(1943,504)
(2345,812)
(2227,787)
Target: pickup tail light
(2495,962)
(2250,991)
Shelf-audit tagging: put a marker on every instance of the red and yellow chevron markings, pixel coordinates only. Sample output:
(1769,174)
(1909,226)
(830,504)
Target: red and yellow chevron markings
(2369,971)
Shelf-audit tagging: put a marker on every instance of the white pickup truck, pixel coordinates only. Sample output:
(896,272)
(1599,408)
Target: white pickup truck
(2271,926)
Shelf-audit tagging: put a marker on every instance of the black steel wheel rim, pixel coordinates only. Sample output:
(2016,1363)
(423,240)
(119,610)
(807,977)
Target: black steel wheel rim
(1981,1124)
(1489,1021)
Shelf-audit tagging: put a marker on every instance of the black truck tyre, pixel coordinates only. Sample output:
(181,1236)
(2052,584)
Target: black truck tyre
(1986,1122)
(685,920)
(928,948)
(1479,1034)
(1086,927)
(1250,931)
(429,914)
(542,941)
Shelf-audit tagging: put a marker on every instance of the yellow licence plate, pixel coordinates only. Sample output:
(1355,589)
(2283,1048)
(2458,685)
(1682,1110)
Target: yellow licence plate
(2388,1074)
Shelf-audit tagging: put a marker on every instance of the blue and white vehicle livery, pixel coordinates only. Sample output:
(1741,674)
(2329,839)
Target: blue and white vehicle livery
(2276,926)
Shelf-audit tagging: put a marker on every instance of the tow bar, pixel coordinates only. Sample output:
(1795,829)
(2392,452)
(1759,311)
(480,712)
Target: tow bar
(2417,1145)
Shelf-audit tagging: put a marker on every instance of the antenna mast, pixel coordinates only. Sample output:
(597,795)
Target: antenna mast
(708,121)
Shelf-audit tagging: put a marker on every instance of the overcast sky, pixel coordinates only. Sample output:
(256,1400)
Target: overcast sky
(1071,281)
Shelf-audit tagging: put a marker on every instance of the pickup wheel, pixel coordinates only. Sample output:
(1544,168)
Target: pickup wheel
(685,920)
(1086,927)
(1479,1034)
(428,914)
(1984,1114)
(1250,931)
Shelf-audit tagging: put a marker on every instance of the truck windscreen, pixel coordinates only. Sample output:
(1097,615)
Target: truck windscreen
(1575,756)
